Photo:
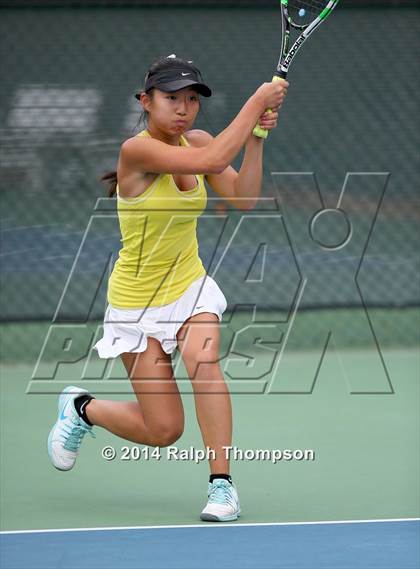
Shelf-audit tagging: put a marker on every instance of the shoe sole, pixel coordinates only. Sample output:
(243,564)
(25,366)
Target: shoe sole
(212,518)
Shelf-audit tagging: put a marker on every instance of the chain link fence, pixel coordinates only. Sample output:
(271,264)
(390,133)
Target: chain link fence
(66,104)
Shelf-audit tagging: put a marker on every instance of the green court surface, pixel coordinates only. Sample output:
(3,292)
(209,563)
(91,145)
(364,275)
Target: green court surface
(365,446)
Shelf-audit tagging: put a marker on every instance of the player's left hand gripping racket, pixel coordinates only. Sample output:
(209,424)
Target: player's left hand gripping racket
(304,16)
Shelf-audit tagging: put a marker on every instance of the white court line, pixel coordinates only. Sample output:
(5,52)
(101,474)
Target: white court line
(210,525)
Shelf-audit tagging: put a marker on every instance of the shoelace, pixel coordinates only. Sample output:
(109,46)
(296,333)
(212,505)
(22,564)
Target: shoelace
(220,493)
(75,434)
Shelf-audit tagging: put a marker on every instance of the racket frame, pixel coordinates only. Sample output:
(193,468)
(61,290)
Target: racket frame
(288,53)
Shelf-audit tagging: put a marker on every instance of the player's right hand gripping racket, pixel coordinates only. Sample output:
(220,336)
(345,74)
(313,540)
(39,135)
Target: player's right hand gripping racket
(304,16)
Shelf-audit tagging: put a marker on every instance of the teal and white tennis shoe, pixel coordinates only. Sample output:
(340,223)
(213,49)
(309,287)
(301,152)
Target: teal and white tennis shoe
(67,434)
(223,502)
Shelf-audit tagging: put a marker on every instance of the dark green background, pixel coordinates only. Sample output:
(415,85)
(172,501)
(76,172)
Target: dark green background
(352,107)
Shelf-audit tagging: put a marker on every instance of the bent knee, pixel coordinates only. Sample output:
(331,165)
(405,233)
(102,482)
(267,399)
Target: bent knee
(203,358)
(165,436)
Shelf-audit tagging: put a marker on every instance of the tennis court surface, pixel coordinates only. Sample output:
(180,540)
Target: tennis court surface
(364,468)
(347,545)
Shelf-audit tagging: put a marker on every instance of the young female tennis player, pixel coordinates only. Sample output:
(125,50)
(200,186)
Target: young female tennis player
(159,296)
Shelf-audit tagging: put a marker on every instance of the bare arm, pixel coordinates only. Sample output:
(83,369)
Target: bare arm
(241,190)
(249,180)
(247,184)
(151,155)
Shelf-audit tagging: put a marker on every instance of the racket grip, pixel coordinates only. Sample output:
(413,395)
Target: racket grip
(259,131)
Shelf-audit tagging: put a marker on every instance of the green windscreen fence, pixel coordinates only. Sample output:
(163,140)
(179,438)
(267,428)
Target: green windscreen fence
(338,223)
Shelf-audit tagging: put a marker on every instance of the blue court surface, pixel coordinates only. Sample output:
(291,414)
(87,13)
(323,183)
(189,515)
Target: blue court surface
(387,544)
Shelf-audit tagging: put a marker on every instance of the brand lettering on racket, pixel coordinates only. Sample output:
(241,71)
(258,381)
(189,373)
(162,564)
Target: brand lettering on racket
(292,52)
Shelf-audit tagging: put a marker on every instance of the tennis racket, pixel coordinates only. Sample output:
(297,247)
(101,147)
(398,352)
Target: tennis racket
(304,16)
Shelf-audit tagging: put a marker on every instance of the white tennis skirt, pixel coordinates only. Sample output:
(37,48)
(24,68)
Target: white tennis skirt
(127,330)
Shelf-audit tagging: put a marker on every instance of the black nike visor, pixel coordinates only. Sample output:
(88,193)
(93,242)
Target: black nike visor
(175,79)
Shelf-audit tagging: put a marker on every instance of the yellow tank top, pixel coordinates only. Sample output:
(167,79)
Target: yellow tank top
(159,258)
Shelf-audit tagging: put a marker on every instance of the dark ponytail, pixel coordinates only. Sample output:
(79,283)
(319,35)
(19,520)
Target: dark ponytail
(110,178)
